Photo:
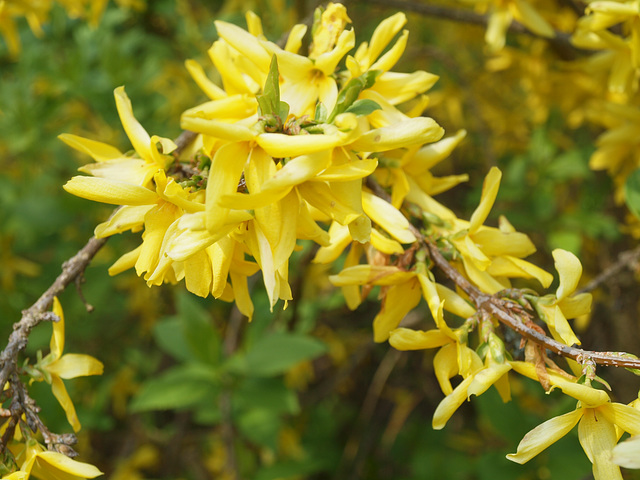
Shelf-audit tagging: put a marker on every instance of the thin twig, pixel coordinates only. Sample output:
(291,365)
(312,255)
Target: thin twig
(628,259)
(560,41)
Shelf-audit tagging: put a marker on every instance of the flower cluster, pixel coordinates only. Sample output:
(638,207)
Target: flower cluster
(282,146)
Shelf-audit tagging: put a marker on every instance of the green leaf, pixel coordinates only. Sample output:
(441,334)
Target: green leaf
(179,387)
(363,107)
(350,92)
(632,192)
(197,328)
(169,336)
(268,393)
(269,101)
(275,354)
(321,113)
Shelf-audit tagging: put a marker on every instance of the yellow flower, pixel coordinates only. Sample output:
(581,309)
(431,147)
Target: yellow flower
(46,464)
(57,366)
(598,422)
(555,310)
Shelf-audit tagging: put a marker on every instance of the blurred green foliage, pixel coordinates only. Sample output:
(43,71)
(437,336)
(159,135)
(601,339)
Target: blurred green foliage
(192,393)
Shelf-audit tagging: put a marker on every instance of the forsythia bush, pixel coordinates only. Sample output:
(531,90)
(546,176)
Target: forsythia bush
(328,145)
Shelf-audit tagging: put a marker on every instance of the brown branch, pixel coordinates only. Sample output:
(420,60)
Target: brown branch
(628,259)
(490,304)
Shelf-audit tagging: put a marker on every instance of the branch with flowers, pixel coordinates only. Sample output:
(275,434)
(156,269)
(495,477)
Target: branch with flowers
(296,148)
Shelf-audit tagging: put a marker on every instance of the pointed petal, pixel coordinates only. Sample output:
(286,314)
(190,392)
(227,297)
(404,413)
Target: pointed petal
(544,435)
(408,339)
(569,270)
(487,377)
(598,437)
(373,274)
(245,43)
(100,152)
(209,88)
(450,404)
(126,218)
(489,192)
(60,392)
(388,217)
(138,136)
(57,338)
(398,301)
(109,191)
(74,365)
(67,465)
(410,132)
(627,453)
(624,416)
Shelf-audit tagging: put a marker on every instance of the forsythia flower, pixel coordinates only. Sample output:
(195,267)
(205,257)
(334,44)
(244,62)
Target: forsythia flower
(57,366)
(600,424)
(37,462)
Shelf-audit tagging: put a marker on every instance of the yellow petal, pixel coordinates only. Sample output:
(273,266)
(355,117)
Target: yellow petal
(226,131)
(241,293)
(627,453)
(624,416)
(227,163)
(432,154)
(489,192)
(294,40)
(398,301)
(410,132)
(351,293)
(348,171)
(511,267)
(198,274)
(126,218)
(382,35)
(598,437)
(210,89)
(401,87)
(576,305)
(125,262)
(281,146)
(245,43)
(530,18)
(569,270)
(445,366)
(454,303)
(308,229)
(408,339)
(109,191)
(388,217)
(544,435)
(321,196)
(494,242)
(63,463)
(360,229)
(74,365)
(137,134)
(57,338)
(60,392)
(487,377)
(220,256)
(340,238)
(391,57)
(100,152)
(384,244)
(448,406)
(371,274)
